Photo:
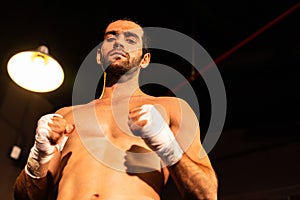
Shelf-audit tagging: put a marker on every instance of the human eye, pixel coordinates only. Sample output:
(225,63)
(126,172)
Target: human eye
(131,40)
(131,37)
(110,38)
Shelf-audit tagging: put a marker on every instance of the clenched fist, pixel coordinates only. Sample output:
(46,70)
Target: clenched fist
(147,122)
(51,131)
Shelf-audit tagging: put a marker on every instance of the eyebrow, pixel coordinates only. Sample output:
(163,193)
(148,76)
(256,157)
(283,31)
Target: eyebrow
(126,33)
(110,33)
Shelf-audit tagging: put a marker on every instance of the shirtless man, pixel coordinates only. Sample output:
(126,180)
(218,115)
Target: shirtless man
(124,145)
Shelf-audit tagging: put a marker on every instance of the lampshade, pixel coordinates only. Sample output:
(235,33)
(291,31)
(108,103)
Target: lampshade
(36,71)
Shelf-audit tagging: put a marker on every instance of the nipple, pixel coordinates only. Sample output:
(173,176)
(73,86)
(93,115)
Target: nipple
(95,196)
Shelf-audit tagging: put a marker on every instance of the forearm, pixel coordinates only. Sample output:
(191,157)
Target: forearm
(36,179)
(27,188)
(194,181)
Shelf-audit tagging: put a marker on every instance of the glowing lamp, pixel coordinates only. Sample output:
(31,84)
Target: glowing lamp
(36,71)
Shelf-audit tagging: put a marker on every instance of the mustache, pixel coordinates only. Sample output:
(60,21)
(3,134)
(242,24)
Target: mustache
(118,50)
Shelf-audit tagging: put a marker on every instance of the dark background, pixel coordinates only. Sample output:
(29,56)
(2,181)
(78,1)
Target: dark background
(256,47)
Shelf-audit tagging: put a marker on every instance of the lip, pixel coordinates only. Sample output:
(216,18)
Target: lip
(118,53)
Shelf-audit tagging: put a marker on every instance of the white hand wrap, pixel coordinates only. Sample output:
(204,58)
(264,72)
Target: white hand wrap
(157,135)
(42,150)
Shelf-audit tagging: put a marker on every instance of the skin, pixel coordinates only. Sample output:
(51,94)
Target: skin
(83,167)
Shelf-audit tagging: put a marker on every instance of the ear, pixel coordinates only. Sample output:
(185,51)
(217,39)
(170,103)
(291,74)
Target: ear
(98,57)
(146,60)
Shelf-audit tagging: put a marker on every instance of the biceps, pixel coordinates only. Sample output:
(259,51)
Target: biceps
(187,130)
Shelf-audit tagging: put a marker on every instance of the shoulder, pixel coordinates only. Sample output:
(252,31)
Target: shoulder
(65,110)
(172,102)
(168,102)
(174,106)
(70,109)
(177,107)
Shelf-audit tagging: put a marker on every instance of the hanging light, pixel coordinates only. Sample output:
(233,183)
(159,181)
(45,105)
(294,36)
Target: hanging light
(36,71)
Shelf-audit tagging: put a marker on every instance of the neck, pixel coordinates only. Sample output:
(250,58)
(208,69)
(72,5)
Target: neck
(126,86)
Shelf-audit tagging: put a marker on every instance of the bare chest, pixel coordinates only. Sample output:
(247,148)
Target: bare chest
(104,161)
(104,135)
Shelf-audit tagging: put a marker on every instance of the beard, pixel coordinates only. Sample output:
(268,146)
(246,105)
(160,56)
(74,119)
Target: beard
(115,71)
(118,69)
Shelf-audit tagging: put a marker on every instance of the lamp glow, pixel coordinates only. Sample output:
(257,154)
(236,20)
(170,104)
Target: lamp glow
(35,70)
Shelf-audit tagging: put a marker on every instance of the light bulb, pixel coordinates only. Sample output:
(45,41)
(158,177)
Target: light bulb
(35,71)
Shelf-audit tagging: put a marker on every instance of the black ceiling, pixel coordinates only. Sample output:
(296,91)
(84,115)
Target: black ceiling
(256,45)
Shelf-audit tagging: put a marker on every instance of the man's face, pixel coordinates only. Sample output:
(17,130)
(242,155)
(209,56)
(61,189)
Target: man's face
(122,46)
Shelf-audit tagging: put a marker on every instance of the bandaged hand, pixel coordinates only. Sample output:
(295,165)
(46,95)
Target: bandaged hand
(147,122)
(50,134)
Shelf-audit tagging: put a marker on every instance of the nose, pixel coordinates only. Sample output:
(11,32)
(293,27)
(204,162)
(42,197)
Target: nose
(119,42)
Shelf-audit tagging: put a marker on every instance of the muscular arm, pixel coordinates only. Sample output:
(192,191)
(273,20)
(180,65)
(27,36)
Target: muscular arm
(42,170)
(193,174)
(26,187)
(194,180)
(177,142)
